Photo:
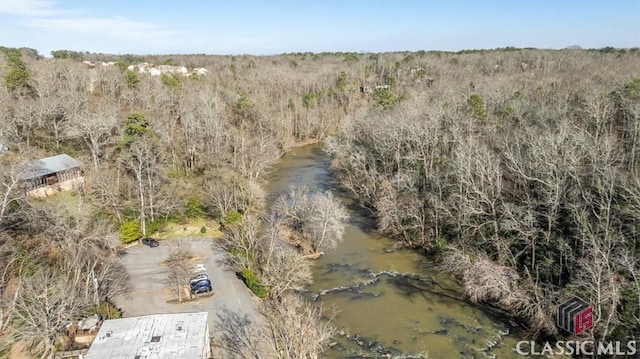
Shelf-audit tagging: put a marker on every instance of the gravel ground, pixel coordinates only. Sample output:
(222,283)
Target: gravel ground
(148,278)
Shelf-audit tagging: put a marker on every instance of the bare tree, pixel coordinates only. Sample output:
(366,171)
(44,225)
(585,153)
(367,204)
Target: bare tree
(143,163)
(627,101)
(253,156)
(63,265)
(244,244)
(286,271)
(46,302)
(295,328)
(226,191)
(104,186)
(180,269)
(95,129)
(62,91)
(479,194)
(11,194)
(205,131)
(318,217)
(597,270)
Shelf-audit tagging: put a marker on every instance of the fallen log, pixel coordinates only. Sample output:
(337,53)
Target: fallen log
(313,255)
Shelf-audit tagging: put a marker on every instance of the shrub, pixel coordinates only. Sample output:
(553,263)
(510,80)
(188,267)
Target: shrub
(477,107)
(195,208)
(67,54)
(351,57)
(384,98)
(17,77)
(136,126)
(632,89)
(108,310)
(244,104)
(311,99)
(250,279)
(231,217)
(132,79)
(130,231)
(122,66)
(203,229)
(153,227)
(342,82)
(441,243)
(171,82)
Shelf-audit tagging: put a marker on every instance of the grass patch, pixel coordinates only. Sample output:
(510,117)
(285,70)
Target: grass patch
(189,228)
(251,280)
(70,201)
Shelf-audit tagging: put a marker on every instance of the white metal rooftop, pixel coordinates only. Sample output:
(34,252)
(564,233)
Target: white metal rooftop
(48,165)
(158,336)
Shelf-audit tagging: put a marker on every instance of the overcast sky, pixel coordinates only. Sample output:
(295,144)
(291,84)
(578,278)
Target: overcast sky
(273,27)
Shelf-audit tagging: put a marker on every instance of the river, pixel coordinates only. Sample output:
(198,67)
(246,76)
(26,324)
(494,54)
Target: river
(388,300)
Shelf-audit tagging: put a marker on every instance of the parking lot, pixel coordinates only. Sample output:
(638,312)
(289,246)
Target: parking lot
(149,278)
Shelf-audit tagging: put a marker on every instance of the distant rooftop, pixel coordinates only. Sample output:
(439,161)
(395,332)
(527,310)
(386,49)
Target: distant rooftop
(159,336)
(49,165)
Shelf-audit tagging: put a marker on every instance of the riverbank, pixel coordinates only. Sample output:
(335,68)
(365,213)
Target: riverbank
(387,299)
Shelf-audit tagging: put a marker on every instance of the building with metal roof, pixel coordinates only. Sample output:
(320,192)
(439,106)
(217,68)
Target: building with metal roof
(49,165)
(49,175)
(158,336)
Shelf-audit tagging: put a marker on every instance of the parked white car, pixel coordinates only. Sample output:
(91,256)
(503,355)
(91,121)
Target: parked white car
(198,268)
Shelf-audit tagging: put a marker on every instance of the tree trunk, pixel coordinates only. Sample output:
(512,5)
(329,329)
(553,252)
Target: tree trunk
(143,224)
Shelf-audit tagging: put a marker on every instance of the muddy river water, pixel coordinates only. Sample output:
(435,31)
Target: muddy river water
(389,301)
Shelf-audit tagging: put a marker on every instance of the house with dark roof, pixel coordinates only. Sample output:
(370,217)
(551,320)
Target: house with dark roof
(48,176)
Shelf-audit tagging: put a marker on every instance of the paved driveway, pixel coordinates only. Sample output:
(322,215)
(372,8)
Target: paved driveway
(150,295)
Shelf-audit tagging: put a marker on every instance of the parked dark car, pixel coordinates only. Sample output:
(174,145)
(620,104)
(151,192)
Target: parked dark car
(200,282)
(204,286)
(202,289)
(150,242)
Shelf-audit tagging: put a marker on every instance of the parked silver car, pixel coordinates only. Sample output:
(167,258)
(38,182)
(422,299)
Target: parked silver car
(199,268)
(198,278)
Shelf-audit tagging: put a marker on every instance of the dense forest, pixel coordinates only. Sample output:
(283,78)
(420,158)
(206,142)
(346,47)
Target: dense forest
(520,171)
(516,168)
